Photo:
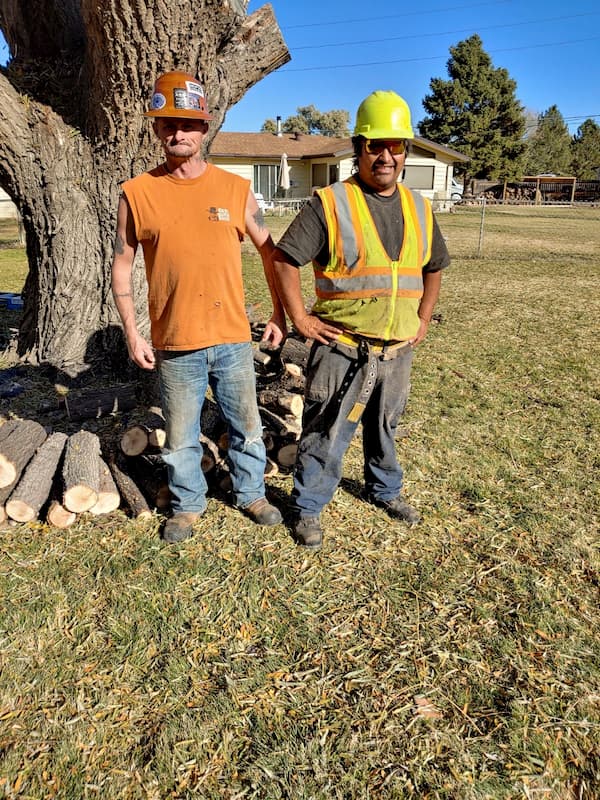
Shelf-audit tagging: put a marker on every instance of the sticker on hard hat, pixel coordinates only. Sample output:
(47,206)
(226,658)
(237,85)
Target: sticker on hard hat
(194,88)
(183,99)
(158,101)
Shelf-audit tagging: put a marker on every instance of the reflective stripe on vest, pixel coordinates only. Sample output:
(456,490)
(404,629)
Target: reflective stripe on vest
(359,265)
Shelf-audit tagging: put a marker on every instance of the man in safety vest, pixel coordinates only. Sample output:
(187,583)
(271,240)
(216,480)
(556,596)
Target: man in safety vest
(190,217)
(377,255)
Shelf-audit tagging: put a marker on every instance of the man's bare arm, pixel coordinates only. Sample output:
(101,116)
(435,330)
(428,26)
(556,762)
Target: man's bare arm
(121,274)
(261,238)
(432,282)
(289,288)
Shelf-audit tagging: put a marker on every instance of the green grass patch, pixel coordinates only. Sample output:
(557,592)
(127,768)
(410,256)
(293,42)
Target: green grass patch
(13,259)
(458,660)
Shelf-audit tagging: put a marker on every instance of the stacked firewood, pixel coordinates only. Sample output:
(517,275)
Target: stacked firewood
(55,476)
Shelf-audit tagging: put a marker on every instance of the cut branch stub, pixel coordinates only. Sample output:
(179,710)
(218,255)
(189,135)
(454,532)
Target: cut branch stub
(81,471)
(17,448)
(35,485)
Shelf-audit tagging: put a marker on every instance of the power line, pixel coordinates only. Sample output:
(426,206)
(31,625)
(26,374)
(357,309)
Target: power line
(404,14)
(363,64)
(443,33)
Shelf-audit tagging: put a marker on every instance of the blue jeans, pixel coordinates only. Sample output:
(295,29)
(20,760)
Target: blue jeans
(184,377)
(335,381)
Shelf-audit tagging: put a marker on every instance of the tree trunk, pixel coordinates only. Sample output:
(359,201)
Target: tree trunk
(72,129)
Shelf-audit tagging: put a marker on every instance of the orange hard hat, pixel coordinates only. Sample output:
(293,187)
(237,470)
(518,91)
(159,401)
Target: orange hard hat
(179,95)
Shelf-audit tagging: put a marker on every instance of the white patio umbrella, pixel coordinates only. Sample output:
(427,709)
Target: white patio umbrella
(284,173)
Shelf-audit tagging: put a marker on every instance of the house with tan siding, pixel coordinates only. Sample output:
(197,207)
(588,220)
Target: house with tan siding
(317,161)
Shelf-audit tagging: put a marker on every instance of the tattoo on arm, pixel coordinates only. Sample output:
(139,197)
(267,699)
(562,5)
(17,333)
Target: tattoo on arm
(259,218)
(119,245)
(122,294)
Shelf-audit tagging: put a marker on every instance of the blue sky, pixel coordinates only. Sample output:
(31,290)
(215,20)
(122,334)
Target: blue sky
(344,49)
(341,51)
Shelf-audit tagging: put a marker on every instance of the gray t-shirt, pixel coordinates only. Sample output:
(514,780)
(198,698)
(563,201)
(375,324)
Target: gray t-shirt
(306,237)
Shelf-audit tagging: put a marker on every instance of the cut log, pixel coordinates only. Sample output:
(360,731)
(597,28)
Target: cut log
(6,491)
(17,449)
(149,473)
(268,440)
(214,451)
(35,484)
(284,426)
(288,402)
(146,432)
(7,427)
(261,357)
(109,498)
(286,455)
(295,351)
(94,403)
(207,462)
(223,442)
(294,369)
(157,437)
(134,440)
(130,492)
(59,516)
(81,471)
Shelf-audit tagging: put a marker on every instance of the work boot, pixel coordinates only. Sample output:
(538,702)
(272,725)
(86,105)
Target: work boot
(308,533)
(262,512)
(180,526)
(398,509)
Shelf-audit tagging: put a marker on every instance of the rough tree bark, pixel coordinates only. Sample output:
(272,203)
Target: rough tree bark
(72,129)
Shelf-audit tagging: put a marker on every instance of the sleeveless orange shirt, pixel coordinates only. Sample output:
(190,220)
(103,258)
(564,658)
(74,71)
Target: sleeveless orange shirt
(190,232)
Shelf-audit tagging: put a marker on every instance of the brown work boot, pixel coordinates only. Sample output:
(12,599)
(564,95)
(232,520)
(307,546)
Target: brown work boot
(398,509)
(308,532)
(262,512)
(180,526)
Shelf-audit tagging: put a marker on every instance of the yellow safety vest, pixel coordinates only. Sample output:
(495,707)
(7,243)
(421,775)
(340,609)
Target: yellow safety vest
(361,288)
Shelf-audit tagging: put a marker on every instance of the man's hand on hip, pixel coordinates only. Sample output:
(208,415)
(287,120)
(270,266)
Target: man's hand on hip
(421,333)
(314,328)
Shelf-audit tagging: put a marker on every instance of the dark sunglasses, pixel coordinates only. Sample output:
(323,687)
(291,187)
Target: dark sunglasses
(376,146)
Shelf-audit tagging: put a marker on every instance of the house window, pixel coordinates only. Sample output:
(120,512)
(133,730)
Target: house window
(265,180)
(416,177)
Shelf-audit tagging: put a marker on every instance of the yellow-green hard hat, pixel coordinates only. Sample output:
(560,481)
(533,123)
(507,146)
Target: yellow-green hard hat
(383,115)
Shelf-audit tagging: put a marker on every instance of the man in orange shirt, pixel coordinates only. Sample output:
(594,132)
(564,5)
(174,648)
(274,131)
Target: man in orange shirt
(189,217)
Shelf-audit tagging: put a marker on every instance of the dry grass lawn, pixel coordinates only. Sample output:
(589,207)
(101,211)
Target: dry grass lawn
(458,660)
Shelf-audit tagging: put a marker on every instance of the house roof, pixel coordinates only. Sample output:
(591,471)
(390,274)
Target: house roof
(269,145)
(299,146)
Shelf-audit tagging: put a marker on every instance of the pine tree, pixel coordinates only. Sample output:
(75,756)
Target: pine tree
(476,112)
(585,151)
(549,149)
